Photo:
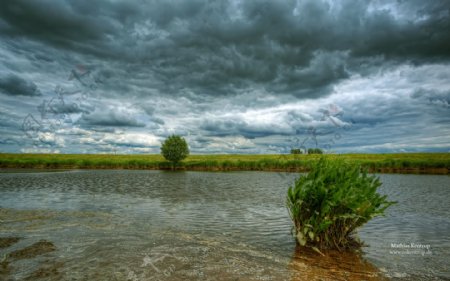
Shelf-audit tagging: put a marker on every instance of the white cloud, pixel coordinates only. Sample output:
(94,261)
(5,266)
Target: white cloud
(40,150)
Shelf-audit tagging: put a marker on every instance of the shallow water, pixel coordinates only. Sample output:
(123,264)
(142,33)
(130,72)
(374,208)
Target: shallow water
(157,225)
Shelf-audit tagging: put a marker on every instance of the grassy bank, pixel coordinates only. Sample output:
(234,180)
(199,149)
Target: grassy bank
(385,163)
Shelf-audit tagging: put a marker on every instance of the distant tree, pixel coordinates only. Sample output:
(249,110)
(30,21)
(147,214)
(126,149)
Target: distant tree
(315,151)
(174,149)
(296,151)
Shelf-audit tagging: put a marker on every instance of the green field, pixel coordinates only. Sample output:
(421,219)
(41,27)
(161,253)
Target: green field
(402,162)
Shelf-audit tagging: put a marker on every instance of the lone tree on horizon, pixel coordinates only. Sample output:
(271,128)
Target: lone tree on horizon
(175,149)
(315,151)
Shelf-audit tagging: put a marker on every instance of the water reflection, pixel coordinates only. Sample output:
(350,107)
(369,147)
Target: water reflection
(212,226)
(306,264)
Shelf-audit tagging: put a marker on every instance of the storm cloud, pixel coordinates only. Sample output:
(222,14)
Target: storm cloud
(14,85)
(110,118)
(231,76)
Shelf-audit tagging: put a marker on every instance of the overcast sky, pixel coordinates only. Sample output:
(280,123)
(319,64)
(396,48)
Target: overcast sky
(102,76)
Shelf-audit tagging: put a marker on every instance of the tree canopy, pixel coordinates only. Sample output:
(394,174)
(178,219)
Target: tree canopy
(175,149)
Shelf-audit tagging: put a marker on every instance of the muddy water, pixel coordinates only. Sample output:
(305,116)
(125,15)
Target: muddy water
(155,225)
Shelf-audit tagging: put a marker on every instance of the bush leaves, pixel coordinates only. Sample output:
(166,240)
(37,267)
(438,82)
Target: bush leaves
(331,202)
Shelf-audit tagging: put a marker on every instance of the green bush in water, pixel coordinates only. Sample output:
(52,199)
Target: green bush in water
(329,203)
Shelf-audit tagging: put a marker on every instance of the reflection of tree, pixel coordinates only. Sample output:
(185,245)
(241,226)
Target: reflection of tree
(306,264)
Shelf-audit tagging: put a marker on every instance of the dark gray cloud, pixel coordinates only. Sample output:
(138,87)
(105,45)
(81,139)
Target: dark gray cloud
(433,97)
(216,47)
(109,118)
(241,128)
(15,85)
(67,108)
(150,111)
(65,24)
(253,73)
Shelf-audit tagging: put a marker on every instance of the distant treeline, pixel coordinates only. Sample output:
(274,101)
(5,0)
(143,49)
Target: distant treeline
(309,151)
(402,162)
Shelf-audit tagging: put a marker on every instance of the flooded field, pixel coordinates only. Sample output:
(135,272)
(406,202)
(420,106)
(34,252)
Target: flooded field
(156,225)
